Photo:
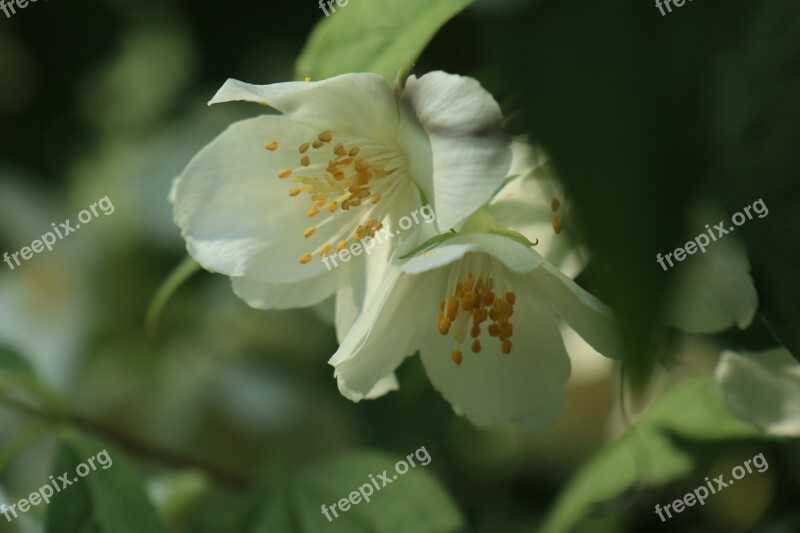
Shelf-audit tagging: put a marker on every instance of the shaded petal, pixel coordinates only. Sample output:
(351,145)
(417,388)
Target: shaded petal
(235,214)
(515,255)
(382,387)
(386,332)
(359,104)
(713,291)
(467,153)
(490,388)
(524,205)
(588,316)
(284,295)
(763,389)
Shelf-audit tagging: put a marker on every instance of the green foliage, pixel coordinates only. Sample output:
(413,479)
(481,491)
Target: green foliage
(381,36)
(105,501)
(642,112)
(13,364)
(413,503)
(648,455)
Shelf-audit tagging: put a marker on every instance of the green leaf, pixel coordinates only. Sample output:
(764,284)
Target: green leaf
(413,502)
(381,36)
(107,500)
(647,455)
(16,372)
(11,362)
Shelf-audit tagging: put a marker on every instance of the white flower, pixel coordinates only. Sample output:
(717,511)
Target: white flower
(712,291)
(346,155)
(763,389)
(482,308)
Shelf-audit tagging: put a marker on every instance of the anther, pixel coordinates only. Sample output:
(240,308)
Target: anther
(305,161)
(340,246)
(294,192)
(304,148)
(457,357)
(271,146)
(556,224)
(285,173)
(305,258)
(506,346)
(476,346)
(317,144)
(313,210)
(354,151)
(309,232)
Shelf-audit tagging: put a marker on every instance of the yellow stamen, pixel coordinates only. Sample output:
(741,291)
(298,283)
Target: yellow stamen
(271,146)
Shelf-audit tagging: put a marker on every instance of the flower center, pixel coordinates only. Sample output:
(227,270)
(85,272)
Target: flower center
(342,175)
(473,299)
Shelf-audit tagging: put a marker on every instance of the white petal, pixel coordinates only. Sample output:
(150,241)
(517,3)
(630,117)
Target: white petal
(588,316)
(284,295)
(235,214)
(466,156)
(386,332)
(359,104)
(763,388)
(490,388)
(713,291)
(515,255)
(382,387)
(524,205)
(351,297)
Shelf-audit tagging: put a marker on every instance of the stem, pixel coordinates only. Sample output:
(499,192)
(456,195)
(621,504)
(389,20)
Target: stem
(133,444)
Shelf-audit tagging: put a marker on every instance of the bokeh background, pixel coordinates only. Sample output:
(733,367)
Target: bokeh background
(228,418)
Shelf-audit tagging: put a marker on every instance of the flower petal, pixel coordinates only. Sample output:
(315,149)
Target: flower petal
(359,104)
(588,316)
(284,295)
(235,214)
(524,205)
(490,387)
(469,152)
(763,389)
(385,333)
(515,255)
(714,290)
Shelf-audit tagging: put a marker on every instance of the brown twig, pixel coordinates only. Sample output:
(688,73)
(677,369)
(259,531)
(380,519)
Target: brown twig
(133,444)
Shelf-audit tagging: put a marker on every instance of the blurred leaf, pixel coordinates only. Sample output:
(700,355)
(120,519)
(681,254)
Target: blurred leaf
(647,455)
(11,362)
(108,500)
(17,372)
(756,125)
(177,277)
(413,503)
(381,36)
(626,122)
